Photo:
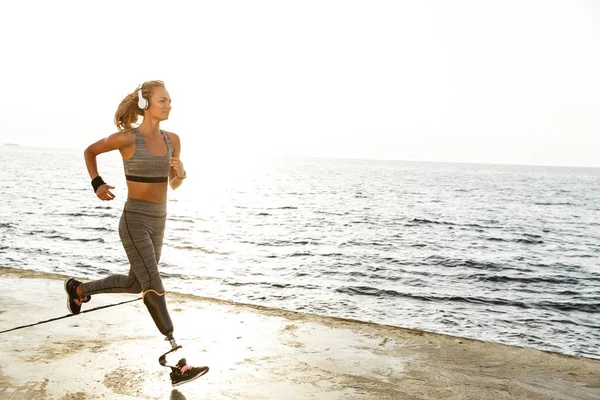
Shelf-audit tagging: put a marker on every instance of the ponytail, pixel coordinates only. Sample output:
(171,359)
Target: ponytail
(128,111)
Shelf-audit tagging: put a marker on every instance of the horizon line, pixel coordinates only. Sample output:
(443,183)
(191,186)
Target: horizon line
(348,158)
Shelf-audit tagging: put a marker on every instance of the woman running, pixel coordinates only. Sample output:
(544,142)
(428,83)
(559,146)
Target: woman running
(151,162)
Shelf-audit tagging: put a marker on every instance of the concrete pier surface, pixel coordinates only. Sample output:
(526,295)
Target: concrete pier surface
(255,353)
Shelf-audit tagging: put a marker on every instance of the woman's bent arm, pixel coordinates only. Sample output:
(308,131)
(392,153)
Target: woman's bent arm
(177,170)
(120,141)
(116,141)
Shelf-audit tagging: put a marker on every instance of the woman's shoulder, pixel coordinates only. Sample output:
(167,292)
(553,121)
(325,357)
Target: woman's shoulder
(125,137)
(173,137)
(121,139)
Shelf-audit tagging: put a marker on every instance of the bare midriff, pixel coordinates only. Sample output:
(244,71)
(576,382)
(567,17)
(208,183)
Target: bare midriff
(150,192)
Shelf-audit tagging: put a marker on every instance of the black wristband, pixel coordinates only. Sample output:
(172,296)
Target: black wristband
(97,182)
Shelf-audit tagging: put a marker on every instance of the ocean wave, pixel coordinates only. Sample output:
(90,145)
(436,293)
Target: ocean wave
(531,235)
(529,280)
(363,221)
(95,215)
(186,277)
(460,263)
(99,240)
(353,243)
(282,243)
(200,249)
(477,226)
(396,261)
(370,291)
(528,241)
(585,307)
(186,220)
(554,204)
(386,293)
(272,285)
(331,213)
(423,221)
(98,228)
(331,254)
(301,254)
(40,231)
(281,285)
(575,323)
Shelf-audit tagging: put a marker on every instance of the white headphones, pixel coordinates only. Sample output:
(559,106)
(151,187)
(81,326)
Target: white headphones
(142,102)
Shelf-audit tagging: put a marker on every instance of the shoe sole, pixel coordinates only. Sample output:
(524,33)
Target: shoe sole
(189,380)
(69,297)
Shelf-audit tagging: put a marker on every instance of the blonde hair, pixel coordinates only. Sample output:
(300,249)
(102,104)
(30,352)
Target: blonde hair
(128,111)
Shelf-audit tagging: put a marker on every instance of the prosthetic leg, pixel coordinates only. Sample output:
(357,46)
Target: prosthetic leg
(157,306)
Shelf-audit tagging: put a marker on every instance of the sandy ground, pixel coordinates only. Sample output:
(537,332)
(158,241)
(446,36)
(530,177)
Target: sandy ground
(255,353)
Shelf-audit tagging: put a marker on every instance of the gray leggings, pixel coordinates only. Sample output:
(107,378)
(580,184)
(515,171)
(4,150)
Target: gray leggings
(141,228)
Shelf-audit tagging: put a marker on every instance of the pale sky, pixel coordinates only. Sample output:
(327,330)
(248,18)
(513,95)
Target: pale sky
(514,82)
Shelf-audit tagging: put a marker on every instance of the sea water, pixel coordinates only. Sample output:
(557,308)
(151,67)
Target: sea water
(503,253)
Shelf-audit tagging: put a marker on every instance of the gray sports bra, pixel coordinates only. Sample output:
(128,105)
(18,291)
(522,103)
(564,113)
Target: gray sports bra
(145,167)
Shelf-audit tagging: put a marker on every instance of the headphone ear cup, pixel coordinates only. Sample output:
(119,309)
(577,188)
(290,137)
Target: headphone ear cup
(142,102)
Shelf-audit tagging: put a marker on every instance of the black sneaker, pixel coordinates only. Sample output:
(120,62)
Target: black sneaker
(185,373)
(73,301)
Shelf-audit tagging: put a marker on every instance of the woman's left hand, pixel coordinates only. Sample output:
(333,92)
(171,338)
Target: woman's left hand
(177,165)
